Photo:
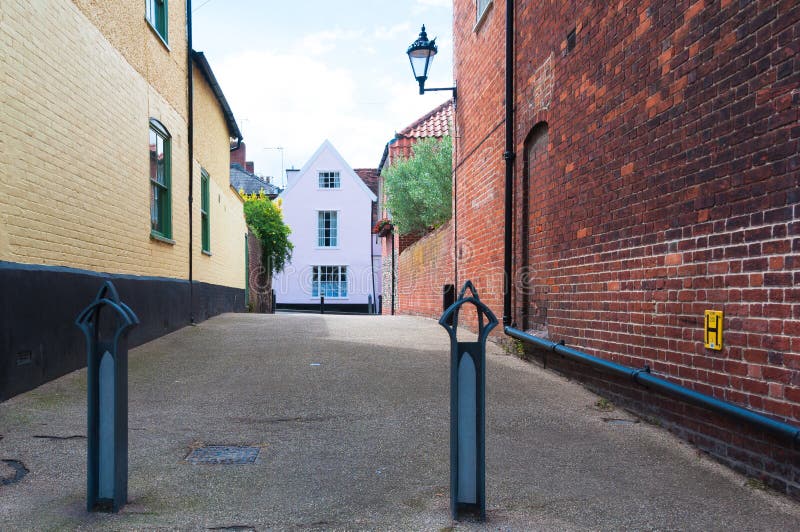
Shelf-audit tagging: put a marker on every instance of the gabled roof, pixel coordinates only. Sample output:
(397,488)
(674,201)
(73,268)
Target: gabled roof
(326,145)
(434,124)
(208,74)
(241,179)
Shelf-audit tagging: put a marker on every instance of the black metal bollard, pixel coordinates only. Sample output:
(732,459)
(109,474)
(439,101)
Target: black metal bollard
(107,399)
(468,409)
(369,304)
(274,301)
(380,304)
(322,304)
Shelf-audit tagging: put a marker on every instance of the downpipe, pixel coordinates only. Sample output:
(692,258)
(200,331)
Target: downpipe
(644,378)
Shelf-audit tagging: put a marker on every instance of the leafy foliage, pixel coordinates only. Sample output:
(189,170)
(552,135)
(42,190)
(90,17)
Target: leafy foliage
(266,221)
(419,189)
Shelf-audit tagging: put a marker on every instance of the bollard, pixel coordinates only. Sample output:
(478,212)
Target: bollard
(369,304)
(380,304)
(274,301)
(107,399)
(448,296)
(322,304)
(468,409)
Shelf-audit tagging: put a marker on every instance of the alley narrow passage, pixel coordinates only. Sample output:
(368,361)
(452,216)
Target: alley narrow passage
(346,419)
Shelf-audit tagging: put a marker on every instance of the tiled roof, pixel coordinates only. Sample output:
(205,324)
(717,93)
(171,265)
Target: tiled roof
(251,183)
(370,178)
(434,124)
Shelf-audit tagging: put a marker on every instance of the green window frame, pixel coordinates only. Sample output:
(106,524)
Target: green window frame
(155,11)
(205,222)
(160,181)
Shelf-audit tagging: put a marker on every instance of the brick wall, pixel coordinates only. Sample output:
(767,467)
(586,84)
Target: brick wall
(478,148)
(656,177)
(425,267)
(225,264)
(75,124)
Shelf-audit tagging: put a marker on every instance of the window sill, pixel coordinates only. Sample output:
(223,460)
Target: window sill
(206,253)
(322,248)
(160,37)
(483,16)
(161,238)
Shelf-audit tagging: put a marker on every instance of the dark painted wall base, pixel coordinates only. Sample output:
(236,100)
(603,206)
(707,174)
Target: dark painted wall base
(38,306)
(333,308)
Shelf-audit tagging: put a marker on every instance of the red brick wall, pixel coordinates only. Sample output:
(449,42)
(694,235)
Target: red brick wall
(666,184)
(425,267)
(239,156)
(479,70)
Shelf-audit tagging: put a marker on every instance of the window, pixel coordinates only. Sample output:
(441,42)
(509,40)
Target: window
(481,6)
(327,229)
(329,180)
(329,281)
(204,207)
(156,15)
(160,178)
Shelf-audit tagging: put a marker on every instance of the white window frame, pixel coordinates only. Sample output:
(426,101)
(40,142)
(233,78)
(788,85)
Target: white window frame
(329,180)
(481,11)
(332,237)
(338,275)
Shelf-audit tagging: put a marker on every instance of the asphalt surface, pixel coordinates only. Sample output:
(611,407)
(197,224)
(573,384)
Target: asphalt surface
(350,416)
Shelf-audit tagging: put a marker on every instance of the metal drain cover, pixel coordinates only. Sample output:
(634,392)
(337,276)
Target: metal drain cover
(223,454)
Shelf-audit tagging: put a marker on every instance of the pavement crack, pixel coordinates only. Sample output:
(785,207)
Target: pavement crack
(19,472)
(60,438)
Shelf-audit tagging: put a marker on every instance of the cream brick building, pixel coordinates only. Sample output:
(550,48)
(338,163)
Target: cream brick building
(95,127)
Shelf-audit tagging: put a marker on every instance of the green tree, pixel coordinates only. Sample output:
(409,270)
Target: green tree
(266,221)
(419,188)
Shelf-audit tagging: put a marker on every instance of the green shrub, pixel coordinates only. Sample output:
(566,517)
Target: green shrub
(265,219)
(419,188)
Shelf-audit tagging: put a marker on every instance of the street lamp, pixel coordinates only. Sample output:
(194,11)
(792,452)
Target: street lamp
(421,53)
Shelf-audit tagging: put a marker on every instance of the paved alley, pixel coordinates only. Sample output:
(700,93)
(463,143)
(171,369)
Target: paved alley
(350,417)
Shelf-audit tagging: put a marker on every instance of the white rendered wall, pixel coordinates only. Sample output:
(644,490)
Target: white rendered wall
(301,203)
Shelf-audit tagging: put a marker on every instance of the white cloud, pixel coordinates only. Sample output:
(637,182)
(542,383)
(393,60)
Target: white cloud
(327,40)
(391,32)
(422,6)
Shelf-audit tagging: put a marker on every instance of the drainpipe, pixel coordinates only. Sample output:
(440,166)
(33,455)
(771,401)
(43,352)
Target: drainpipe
(509,156)
(190,70)
(393,281)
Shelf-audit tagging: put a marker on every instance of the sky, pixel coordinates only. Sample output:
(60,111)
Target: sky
(297,73)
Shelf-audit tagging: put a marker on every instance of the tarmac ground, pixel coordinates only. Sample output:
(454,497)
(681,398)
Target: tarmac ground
(349,416)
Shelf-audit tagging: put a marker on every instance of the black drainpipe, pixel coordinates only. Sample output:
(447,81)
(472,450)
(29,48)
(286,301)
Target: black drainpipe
(509,156)
(190,70)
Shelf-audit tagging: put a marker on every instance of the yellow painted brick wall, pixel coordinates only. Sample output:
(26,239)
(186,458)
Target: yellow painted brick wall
(75,187)
(226,264)
(123,24)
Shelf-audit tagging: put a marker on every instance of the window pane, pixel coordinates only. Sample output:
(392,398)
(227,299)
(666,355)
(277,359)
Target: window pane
(155,211)
(327,228)
(329,180)
(159,184)
(153,155)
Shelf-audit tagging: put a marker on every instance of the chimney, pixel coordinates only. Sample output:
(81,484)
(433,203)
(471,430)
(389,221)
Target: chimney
(249,167)
(291,173)
(239,156)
